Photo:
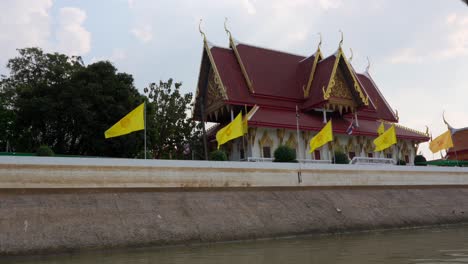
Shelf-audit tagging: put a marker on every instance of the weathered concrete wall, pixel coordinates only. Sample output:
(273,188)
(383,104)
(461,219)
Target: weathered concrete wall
(51,205)
(46,220)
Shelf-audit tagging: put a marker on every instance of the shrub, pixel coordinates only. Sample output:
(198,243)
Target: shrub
(284,154)
(44,151)
(401,162)
(418,159)
(341,158)
(218,155)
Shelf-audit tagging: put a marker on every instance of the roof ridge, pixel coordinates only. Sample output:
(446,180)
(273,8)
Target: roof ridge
(306,58)
(406,128)
(237,42)
(366,74)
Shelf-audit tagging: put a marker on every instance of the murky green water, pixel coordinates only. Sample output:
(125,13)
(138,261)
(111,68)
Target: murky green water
(435,245)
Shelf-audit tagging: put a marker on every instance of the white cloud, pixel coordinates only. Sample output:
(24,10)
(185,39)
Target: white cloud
(329,4)
(407,56)
(72,37)
(143,33)
(456,44)
(116,56)
(248,5)
(131,3)
(24,24)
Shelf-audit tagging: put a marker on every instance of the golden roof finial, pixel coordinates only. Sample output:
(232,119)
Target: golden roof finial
(225,27)
(320,42)
(201,32)
(368,65)
(427,131)
(341,41)
(351,57)
(445,121)
(396,114)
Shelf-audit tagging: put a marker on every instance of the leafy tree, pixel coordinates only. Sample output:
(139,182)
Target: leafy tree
(59,102)
(171,131)
(7,118)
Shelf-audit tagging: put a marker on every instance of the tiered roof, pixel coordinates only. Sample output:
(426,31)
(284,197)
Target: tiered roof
(279,81)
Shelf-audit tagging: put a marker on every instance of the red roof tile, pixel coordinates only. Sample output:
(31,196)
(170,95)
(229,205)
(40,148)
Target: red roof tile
(321,79)
(383,110)
(273,72)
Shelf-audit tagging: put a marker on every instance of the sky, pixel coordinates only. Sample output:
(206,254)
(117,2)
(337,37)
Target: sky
(418,49)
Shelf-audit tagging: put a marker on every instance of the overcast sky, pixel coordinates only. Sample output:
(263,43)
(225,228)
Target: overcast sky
(418,49)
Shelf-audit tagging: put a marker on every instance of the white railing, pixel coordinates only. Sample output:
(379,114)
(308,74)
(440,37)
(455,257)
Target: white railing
(372,161)
(315,161)
(259,159)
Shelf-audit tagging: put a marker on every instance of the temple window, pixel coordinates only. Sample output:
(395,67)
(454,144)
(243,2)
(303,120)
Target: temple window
(242,154)
(370,155)
(317,154)
(388,155)
(352,154)
(407,159)
(266,152)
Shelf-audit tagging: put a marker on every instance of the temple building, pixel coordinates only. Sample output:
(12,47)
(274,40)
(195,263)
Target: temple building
(459,151)
(234,79)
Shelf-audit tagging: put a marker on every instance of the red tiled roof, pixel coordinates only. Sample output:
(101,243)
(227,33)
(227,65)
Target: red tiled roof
(321,79)
(460,140)
(273,72)
(383,110)
(231,75)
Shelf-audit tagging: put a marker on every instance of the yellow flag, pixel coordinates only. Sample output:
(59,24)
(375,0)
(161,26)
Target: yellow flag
(441,142)
(231,131)
(133,121)
(381,129)
(385,140)
(325,135)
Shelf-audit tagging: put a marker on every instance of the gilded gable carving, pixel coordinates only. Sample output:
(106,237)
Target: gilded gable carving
(214,91)
(340,89)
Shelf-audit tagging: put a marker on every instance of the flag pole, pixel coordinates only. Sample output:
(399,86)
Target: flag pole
(299,173)
(145,125)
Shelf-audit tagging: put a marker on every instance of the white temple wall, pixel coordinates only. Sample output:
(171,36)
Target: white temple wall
(269,137)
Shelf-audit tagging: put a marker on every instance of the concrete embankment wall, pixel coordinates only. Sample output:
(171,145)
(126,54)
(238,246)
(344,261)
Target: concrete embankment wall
(53,204)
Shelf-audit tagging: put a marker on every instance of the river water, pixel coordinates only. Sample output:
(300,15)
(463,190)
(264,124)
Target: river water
(419,246)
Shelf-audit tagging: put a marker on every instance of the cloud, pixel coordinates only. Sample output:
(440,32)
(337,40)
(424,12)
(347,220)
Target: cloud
(72,37)
(24,24)
(249,7)
(143,33)
(116,55)
(329,4)
(456,45)
(407,56)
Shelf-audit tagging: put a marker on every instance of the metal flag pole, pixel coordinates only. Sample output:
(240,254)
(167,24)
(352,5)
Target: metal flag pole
(144,116)
(299,173)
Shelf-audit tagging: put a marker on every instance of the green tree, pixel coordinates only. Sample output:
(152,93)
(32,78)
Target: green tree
(59,102)
(171,129)
(7,118)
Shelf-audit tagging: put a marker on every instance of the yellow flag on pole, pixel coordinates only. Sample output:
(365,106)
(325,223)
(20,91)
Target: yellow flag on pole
(325,135)
(385,140)
(441,142)
(231,131)
(381,129)
(133,121)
